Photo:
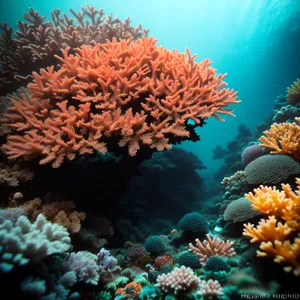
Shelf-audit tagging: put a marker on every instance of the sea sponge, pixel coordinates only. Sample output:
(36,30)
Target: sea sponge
(193,224)
(216,264)
(240,210)
(250,153)
(271,169)
(154,244)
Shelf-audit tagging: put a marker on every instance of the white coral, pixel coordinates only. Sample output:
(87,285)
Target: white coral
(35,240)
(180,280)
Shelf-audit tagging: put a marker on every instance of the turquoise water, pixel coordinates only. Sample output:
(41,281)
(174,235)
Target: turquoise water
(252,41)
(90,205)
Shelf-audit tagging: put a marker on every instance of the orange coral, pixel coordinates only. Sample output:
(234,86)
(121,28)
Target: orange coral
(275,233)
(131,290)
(283,138)
(135,92)
(293,92)
(212,247)
(162,260)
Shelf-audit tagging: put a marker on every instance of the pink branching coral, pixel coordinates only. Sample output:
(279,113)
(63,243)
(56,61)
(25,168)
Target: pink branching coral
(180,281)
(210,288)
(212,247)
(118,94)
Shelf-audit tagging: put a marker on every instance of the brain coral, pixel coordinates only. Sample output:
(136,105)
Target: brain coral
(117,94)
(271,169)
(240,210)
(193,223)
(216,264)
(154,244)
(250,153)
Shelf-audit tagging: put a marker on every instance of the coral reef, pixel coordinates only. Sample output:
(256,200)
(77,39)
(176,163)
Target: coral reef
(180,281)
(271,169)
(23,241)
(115,94)
(212,247)
(293,93)
(11,175)
(37,41)
(283,138)
(276,234)
(240,210)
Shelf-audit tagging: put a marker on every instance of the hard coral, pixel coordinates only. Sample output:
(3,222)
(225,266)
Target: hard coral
(212,247)
(181,281)
(283,138)
(271,169)
(293,93)
(123,93)
(275,234)
(37,41)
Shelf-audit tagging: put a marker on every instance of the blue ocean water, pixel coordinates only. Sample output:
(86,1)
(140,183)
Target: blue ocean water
(118,226)
(253,41)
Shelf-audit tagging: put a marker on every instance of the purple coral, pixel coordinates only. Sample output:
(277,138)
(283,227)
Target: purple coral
(250,153)
(135,252)
(106,260)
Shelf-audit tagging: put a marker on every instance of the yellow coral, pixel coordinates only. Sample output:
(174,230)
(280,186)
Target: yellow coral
(293,92)
(283,138)
(283,252)
(274,233)
(267,230)
(269,201)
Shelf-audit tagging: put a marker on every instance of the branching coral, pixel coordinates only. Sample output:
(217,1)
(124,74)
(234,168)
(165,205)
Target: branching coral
(12,175)
(212,247)
(60,212)
(275,233)
(37,41)
(127,93)
(293,92)
(283,138)
(210,288)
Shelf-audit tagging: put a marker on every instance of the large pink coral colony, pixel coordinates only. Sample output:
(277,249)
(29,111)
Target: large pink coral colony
(132,93)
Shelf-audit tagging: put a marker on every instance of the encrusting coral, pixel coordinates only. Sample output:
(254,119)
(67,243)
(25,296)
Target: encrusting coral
(275,234)
(12,175)
(37,41)
(283,138)
(123,93)
(212,247)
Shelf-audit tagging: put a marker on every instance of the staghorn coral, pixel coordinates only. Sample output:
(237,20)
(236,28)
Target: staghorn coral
(124,94)
(275,234)
(37,41)
(283,138)
(293,93)
(12,175)
(212,247)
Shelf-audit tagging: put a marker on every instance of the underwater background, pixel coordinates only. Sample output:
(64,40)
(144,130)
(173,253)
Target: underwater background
(94,202)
